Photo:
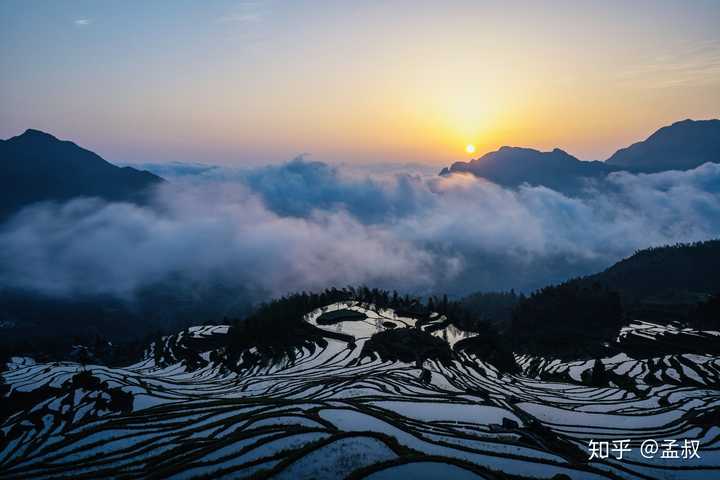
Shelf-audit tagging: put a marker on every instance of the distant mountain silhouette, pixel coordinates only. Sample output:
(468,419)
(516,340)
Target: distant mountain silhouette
(681,146)
(513,166)
(36,166)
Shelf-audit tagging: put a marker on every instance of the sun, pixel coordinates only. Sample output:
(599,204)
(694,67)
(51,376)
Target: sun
(470,148)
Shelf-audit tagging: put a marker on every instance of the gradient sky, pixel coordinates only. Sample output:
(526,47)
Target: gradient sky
(236,82)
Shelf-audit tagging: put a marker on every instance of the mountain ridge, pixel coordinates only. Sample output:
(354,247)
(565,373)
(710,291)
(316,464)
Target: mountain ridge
(683,145)
(36,166)
(513,166)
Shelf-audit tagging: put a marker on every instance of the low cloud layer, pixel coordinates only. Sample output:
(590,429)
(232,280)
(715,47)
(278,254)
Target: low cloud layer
(306,225)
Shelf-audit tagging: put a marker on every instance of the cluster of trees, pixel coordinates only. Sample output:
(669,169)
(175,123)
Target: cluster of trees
(706,315)
(407,345)
(492,347)
(276,328)
(569,319)
(683,267)
(495,308)
(661,284)
(90,348)
(572,319)
(280,322)
(167,306)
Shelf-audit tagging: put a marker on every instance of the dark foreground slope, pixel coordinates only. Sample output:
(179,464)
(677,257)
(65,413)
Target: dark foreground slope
(581,317)
(693,268)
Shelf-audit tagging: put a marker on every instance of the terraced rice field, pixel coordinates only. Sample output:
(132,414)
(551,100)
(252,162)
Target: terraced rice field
(331,412)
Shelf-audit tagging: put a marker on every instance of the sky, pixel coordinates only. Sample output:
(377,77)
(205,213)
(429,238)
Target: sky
(254,82)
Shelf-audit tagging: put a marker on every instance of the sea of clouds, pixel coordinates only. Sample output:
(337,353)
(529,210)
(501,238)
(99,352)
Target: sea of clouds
(307,225)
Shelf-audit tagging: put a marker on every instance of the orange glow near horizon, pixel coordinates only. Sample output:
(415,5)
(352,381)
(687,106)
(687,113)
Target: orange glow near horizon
(361,87)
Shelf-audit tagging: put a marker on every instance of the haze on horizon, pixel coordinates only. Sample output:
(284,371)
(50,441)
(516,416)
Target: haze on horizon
(248,82)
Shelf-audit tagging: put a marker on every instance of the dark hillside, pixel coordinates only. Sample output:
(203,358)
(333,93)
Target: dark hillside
(37,167)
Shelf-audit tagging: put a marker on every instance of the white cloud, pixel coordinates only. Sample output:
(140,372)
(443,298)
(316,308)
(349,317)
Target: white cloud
(81,22)
(304,225)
